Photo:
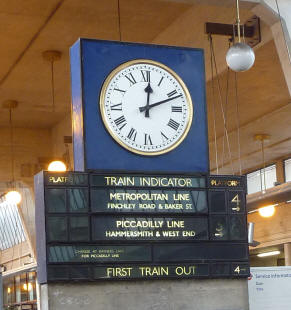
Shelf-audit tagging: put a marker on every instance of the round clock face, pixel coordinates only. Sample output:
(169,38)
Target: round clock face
(146,107)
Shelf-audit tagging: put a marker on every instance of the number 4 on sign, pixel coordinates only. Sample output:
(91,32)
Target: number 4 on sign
(237,269)
(236,200)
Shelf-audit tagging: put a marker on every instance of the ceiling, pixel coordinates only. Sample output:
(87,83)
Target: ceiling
(28,28)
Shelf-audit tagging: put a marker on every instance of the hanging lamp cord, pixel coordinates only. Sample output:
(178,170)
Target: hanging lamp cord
(11,148)
(225,109)
(264,165)
(221,104)
(53,85)
(119,20)
(237,123)
(213,104)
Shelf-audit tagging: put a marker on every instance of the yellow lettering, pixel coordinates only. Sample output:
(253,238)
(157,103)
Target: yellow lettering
(173,224)
(183,270)
(118,272)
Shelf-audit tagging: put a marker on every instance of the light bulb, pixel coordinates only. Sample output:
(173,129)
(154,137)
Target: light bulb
(240,57)
(13,197)
(57,165)
(267,211)
(8,290)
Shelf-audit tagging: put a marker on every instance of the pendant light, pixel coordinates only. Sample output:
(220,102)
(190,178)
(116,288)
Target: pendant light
(269,210)
(13,196)
(57,166)
(51,56)
(240,57)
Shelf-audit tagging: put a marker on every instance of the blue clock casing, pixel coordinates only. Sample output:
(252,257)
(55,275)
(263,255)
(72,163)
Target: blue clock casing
(94,149)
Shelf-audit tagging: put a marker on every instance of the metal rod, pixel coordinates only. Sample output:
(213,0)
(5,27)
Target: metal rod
(12,149)
(1,290)
(238,20)
(264,166)
(251,232)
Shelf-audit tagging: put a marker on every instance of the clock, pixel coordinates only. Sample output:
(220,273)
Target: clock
(146,107)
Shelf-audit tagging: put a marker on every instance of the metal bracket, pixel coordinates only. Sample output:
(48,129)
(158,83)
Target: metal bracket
(251,30)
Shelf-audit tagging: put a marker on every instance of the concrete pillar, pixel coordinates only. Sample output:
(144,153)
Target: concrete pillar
(285,12)
(287,253)
(268,12)
(222,294)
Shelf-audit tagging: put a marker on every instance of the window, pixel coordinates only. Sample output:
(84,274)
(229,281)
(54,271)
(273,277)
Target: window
(19,292)
(287,169)
(256,182)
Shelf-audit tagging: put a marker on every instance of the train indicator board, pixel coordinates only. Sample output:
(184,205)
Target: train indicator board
(93,226)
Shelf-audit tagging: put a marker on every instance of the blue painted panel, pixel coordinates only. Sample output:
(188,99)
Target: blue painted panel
(98,59)
(77,107)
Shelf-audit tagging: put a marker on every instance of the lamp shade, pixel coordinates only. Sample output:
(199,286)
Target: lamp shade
(267,211)
(13,197)
(57,165)
(240,57)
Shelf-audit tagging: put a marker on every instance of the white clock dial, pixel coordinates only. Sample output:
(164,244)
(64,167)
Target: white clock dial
(146,107)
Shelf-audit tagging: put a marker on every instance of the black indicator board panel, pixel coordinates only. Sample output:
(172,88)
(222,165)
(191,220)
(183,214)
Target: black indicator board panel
(117,226)
(148,200)
(149,228)
(148,181)
(99,254)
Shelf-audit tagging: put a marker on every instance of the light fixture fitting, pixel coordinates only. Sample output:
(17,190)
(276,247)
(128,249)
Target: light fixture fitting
(52,56)
(240,57)
(272,253)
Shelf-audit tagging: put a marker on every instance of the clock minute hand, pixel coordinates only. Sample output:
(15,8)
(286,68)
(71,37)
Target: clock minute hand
(142,109)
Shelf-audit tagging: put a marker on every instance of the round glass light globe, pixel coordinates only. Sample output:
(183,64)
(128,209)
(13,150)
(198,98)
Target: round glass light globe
(13,197)
(267,211)
(57,165)
(240,57)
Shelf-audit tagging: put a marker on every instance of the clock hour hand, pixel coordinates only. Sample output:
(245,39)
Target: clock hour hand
(147,107)
(148,90)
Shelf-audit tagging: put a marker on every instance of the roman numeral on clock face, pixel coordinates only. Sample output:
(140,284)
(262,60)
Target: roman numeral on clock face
(146,75)
(160,81)
(173,124)
(120,122)
(120,90)
(116,107)
(172,93)
(176,109)
(132,134)
(164,137)
(131,78)
(147,139)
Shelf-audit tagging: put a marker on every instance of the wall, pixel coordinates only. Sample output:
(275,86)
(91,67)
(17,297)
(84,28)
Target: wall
(63,128)
(16,257)
(148,295)
(31,148)
(274,230)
